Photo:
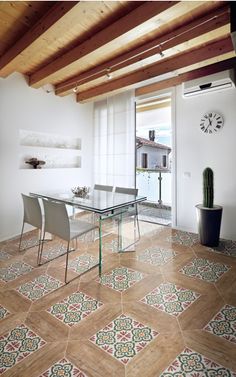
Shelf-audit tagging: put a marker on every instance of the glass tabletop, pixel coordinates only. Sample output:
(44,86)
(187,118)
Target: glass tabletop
(96,201)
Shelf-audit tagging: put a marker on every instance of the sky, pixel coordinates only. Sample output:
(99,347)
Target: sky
(158,120)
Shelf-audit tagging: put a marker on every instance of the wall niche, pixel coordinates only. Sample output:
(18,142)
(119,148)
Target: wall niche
(58,151)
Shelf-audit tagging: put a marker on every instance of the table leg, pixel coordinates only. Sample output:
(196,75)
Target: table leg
(100,245)
(120,243)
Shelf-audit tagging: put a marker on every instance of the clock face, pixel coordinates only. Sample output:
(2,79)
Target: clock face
(211,122)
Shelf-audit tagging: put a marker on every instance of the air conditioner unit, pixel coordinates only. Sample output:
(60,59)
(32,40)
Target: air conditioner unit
(217,81)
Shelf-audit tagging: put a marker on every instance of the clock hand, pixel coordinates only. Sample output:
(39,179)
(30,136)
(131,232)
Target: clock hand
(208,124)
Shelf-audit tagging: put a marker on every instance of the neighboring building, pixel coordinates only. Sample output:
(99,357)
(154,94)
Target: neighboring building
(152,155)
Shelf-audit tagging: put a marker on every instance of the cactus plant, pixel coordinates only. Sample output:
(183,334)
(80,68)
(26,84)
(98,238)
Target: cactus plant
(208,188)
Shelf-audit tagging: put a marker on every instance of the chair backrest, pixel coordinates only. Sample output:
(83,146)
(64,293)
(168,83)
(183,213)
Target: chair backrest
(56,219)
(103,188)
(32,211)
(126,190)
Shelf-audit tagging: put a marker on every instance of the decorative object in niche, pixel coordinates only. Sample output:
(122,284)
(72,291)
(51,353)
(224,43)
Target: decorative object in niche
(35,163)
(81,192)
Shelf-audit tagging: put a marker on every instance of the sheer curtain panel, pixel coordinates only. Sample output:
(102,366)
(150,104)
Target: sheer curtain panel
(114,140)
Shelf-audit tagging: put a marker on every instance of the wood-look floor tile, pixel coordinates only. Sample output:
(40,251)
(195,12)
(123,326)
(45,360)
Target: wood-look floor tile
(93,361)
(14,301)
(226,286)
(151,317)
(139,290)
(185,281)
(38,362)
(46,326)
(96,321)
(25,278)
(201,311)
(100,292)
(174,332)
(154,358)
(219,350)
(12,321)
(55,296)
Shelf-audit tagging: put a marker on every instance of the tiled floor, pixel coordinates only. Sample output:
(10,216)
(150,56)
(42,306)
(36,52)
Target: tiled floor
(167,309)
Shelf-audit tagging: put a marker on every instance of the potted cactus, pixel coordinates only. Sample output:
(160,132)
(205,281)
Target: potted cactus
(209,215)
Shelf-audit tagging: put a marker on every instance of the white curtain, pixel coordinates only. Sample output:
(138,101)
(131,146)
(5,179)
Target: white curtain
(114,140)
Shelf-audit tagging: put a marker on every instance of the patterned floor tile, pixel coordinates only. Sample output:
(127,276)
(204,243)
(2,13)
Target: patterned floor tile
(156,256)
(111,245)
(4,255)
(63,368)
(224,323)
(39,287)
(183,238)
(16,345)
(3,312)
(226,247)
(14,270)
(120,278)
(29,242)
(82,263)
(74,308)
(54,251)
(123,338)
(204,269)
(170,298)
(192,364)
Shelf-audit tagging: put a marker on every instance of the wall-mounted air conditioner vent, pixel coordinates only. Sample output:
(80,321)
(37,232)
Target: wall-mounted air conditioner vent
(217,81)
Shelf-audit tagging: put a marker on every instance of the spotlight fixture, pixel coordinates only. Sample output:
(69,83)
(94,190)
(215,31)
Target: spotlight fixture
(161,52)
(108,73)
(75,89)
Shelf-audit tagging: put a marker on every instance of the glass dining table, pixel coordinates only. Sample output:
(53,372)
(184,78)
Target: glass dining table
(105,204)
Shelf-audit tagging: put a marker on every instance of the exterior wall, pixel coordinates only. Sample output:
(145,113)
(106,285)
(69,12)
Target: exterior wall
(22,107)
(196,150)
(154,156)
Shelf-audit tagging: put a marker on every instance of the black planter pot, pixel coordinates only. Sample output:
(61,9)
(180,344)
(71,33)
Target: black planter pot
(209,221)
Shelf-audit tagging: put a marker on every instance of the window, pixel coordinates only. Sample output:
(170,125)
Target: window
(164,161)
(144,160)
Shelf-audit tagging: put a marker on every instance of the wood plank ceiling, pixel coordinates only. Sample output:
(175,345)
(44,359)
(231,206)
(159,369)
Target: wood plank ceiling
(94,48)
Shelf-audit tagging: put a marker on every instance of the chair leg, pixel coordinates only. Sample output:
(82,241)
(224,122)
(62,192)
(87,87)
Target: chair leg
(21,235)
(67,258)
(137,222)
(40,242)
(40,249)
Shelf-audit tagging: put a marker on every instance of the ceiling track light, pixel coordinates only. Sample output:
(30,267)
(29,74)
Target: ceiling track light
(161,52)
(75,89)
(108,74)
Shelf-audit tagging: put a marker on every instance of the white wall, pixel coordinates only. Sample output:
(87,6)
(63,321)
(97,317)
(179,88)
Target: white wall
(196,150)
(22,107)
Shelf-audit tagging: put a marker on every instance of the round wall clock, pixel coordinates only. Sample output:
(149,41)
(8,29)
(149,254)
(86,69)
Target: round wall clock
(211,122)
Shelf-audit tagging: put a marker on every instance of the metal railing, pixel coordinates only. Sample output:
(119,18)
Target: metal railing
(155,184)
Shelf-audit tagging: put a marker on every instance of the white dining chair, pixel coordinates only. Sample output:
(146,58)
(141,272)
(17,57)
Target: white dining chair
(58,223)
(32,216)
(103,188)
(132,210)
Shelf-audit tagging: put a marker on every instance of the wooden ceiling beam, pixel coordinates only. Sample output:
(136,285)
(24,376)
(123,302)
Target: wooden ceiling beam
(126,23)
(207,23)
(180,60)
(46,22)
(233,22)
(183,77)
